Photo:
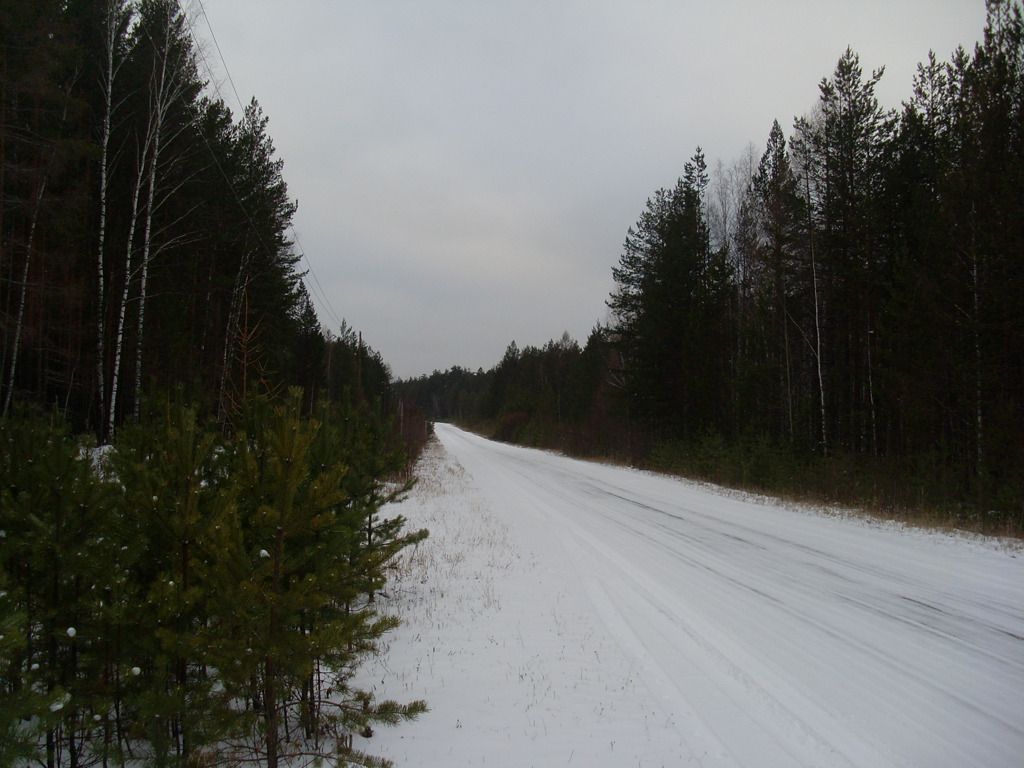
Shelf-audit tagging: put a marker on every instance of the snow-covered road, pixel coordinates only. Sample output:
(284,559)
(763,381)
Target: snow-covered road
(578,613)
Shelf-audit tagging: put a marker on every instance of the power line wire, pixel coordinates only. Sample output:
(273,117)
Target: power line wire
(319,293)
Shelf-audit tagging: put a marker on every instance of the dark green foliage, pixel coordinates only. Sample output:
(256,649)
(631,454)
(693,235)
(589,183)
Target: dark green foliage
(173,474)
(188,598)
(144,246)
(59,538)
(354,372)
(855,333)
(143,230)
(671,308)
(16,741)
(558,395)
(307,554)
(878,314)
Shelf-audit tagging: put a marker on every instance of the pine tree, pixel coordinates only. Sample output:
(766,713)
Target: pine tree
(842,152)
(986,205)
(780,217)
(57,551)
(17,698)
(265,283)
(172,472)
(671,306)
(296,562)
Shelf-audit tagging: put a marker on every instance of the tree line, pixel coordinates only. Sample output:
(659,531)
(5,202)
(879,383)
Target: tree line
(144,229)
(192,471)
(842,312)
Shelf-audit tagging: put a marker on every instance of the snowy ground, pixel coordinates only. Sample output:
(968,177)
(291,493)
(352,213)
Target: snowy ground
(566,613)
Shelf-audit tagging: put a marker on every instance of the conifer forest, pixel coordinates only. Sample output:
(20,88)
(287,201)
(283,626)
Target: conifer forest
(194,474)
(838,315)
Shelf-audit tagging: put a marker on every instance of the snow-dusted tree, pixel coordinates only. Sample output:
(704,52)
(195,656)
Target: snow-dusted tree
(171,469)
(57,552)
(290,587)
(17,700)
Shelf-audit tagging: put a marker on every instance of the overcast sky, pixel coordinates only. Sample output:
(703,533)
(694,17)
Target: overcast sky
(466,170)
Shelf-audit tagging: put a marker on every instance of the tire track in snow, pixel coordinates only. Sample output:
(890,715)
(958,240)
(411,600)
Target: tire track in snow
(698,659)
(794,638)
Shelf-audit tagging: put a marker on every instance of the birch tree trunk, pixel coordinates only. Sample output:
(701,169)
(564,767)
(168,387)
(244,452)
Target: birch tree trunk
(115,377)
(112,25)
(979,432)
(817,320)
(146,249)
(167,87)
